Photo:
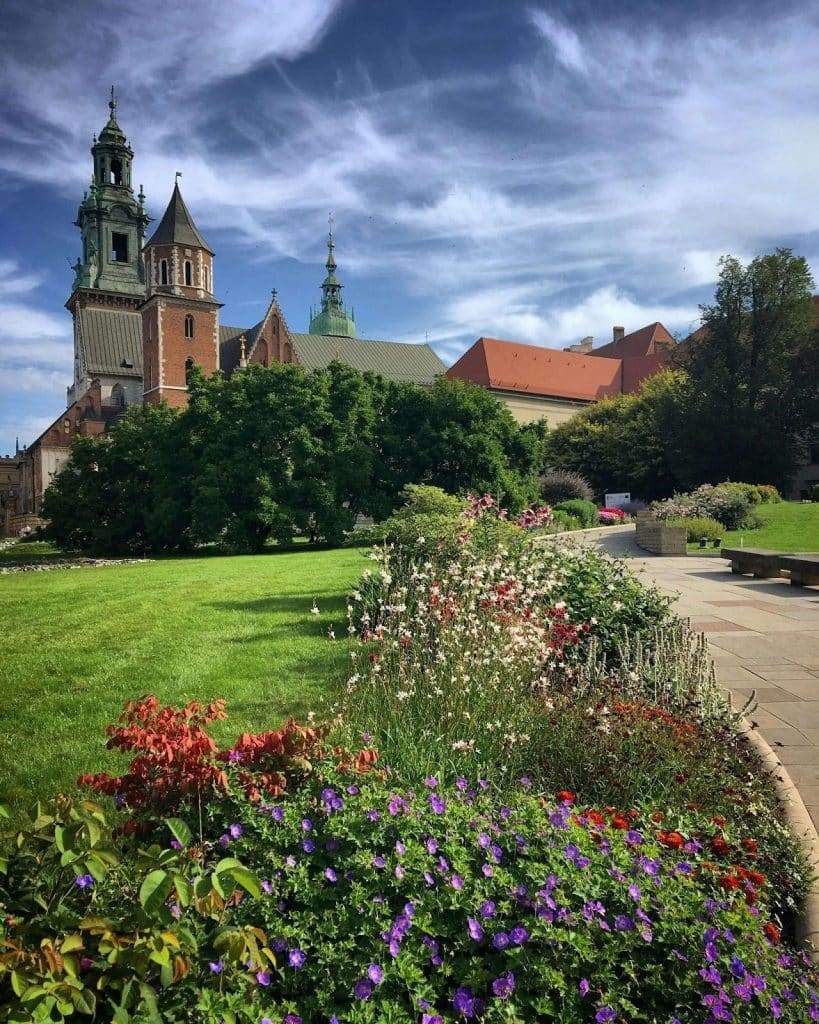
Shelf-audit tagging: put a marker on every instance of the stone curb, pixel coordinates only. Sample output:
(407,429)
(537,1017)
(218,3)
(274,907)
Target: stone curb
(589,529)
(807,922)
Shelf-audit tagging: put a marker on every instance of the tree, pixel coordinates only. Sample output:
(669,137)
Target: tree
(753,373)
(627,442)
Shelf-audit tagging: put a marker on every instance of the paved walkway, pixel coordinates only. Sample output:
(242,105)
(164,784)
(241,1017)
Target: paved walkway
(763,636)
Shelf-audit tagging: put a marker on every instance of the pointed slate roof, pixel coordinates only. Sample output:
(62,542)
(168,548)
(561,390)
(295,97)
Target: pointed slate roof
(177,227)
(110,341)
(394,360)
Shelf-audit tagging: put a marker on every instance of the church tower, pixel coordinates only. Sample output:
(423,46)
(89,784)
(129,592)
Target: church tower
(333,318)
(180,317)
(109,279)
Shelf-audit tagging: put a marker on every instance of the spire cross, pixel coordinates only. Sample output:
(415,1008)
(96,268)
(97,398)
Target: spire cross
(177,175)
(112,103)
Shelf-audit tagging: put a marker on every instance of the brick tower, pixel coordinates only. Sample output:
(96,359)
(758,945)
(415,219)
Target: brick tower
(180,317)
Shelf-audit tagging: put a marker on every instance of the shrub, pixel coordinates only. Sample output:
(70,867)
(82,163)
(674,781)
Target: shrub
(699,528)
(728,503)
(610,516)
(562,521)
(815,493)
(769,494)
(560,485)
(585,511)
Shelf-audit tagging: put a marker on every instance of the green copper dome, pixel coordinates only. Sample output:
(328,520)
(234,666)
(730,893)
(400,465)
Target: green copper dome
(333,318)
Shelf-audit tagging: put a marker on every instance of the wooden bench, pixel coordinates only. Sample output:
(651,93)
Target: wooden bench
(804,569)
(759,562)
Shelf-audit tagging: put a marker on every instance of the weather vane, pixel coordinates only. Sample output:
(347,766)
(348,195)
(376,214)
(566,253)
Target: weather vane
(176,177)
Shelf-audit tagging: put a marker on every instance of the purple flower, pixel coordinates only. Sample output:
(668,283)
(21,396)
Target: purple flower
(373,815)
(519,935)
(175,844)
(431,781)
(461,783)
(277,814)
(235,830)
(571,852)
(484,839)
(375,974)
(431,1018)
(353,790)
(292,1018)
(379,862)
(437,804)
(488,909)
(363,989)
(297,958)
(306,824)
(634,838)
(432,846)
(234,756)
(500,940)
(605,1014)
(456,882)
(583,987)
(366,737)
(475,930)
(623,923)
(84,881)
(463,1002)
(308,846)
(330,875)
(399,872)
(263,978)
(216,966)
(400,848)
(504,986)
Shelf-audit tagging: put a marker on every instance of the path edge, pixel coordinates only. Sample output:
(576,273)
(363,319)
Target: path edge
(803,829)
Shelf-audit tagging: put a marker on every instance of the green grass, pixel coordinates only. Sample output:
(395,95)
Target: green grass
(789,526)
(78,643)
(30,551)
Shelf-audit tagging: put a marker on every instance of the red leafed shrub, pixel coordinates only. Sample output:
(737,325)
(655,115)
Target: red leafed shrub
(178,763)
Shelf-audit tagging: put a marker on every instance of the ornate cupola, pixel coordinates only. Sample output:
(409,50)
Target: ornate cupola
(111,218)
(333,318)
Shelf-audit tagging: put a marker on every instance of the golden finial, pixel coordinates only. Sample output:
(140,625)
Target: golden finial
(242,352)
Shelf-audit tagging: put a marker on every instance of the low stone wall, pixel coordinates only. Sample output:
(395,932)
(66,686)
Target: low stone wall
(654,536)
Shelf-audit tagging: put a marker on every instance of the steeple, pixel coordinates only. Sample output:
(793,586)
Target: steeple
(333,318)
(177,226)
(111,218)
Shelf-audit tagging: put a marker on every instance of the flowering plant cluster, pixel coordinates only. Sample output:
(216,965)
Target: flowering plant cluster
(610,516)
(730,504)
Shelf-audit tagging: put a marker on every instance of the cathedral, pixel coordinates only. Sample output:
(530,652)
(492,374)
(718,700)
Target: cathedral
(145,311)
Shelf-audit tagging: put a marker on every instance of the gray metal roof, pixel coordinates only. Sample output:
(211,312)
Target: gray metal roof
(393,360)
(177,227)
(109,339)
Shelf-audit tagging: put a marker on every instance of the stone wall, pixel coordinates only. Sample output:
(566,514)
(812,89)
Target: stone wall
(659,539)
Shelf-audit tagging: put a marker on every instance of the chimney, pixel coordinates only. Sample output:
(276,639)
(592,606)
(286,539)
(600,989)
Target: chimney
(618,333)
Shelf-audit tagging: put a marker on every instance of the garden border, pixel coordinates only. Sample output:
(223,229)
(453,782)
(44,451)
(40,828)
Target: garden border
(801,825)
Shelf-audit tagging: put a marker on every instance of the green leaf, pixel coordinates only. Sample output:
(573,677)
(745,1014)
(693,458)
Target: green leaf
(85,1001)
(180,831)
(4,811)
(149,1003)
(154,890)
(248,880)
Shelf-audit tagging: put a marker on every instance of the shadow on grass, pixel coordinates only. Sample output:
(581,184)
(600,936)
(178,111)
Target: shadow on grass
(298,603)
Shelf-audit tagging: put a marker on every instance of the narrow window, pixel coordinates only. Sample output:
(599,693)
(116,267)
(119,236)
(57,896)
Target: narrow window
(206,279)
(163,272)
(116,172)
(119,248)
(188,273)
(188,326)
(188,367)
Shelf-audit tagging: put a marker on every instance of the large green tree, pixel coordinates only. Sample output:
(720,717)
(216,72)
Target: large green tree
(753,373)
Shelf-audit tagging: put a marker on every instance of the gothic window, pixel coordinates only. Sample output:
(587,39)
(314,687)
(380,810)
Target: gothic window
(189,326)
(189,364)
(188,273)
(116,172)
(288,352)
(206,279)
(118,396)
(163,272)
(119,247)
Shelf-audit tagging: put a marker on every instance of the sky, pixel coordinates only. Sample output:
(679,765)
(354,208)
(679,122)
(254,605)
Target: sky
(537,171)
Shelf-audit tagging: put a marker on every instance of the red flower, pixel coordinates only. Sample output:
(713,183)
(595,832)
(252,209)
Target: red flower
(719,846)
(771,933)
(673,840)
(728,882)
(750,845)
(564,796)
(619,821)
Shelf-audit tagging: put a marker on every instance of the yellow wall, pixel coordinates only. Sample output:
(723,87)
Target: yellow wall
(528,408)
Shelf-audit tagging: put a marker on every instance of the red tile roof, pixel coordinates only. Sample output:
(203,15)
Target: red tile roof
(644,342)
(530,369)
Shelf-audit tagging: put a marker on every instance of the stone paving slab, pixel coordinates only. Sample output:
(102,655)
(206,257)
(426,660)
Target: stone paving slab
(764,638)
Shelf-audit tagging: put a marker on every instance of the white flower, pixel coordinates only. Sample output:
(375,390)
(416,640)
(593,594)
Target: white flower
(314,609)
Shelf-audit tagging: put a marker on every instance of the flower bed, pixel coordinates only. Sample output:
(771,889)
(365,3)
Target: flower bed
(549,816)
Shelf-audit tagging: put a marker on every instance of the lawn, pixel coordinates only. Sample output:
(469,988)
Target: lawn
(789,526)
(78,643)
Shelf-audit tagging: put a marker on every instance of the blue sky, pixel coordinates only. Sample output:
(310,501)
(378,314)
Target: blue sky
(538,171)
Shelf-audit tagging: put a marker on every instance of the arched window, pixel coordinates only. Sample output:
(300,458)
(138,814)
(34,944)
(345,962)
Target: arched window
(189,364)
(188,273)
(206,279)
(118,396)
(188,326)
(288,352)
(163,272)
(116,172)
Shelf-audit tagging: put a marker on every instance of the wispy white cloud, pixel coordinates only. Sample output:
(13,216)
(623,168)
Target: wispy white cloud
(562,37)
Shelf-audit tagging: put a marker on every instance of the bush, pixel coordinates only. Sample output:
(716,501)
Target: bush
(560,485)
(610,516)
(584,511)
(815,493)
(769,494)
(699,528)
(565,522)
(729,503)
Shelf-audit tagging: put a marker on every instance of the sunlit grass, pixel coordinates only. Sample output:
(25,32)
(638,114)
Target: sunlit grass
(78,643)
(789,526)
